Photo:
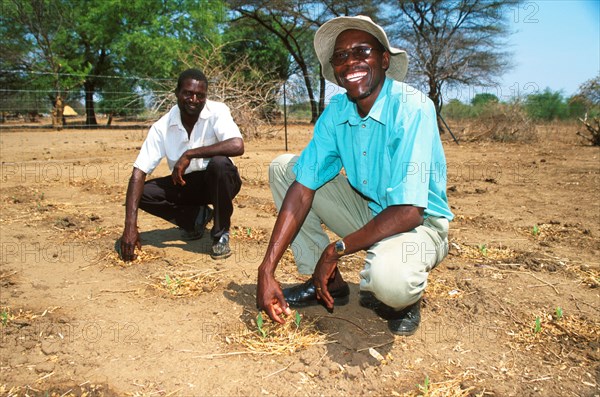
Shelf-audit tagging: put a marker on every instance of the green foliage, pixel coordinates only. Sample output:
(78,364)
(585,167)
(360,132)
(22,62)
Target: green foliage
(535,230)
(299,111)
(483,99)
(586,101)
(73,43)
(119,97)
(546,106)
(457,110)
(264,50)
(424,388)
(483,249)
(538,326)
(259,325)
(559,313)
(172,284)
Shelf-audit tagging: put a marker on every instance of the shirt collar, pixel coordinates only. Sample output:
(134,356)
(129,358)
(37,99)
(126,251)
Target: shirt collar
(175,117)
(351,113)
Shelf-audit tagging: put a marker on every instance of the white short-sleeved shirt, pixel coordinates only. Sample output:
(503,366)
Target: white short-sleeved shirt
(168,138)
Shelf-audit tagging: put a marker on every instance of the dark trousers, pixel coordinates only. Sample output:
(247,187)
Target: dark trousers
(217,185)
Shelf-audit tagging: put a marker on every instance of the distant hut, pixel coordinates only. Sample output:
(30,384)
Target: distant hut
(69,112)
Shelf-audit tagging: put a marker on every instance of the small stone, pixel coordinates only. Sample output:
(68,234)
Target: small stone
(18,360)
(46,366)
(353,372)
(50,347)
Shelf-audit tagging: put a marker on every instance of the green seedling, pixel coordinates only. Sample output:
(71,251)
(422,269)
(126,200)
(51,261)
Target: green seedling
(248,231)
(297,320)
(538,325)
(536,230)
(259,325)
(559,313)
(172,283)
(425,386)
(4,316)
(483,249)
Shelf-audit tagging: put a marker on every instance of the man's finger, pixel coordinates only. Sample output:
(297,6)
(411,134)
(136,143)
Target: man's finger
(271,312)
(326,296)
(283,305)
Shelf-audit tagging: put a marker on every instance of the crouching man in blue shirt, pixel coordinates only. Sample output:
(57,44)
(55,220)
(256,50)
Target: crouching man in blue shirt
(391,201)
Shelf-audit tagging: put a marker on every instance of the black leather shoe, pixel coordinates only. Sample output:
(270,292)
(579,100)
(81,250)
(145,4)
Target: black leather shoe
(305,294)
(204,216)
(368,300)
(405,322)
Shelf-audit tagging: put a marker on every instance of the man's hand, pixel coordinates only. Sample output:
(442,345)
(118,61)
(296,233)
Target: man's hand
(269,297)
(323,273)
(179,169)
(130,240)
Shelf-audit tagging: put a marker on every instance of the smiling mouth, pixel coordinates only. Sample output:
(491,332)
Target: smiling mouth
(355,76)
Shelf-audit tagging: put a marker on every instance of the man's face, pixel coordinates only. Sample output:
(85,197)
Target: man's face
(360,77)
(191,97)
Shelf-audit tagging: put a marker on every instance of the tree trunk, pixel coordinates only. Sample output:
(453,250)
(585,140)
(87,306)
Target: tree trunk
(90,114)
(311,95)
(58,113)
(322,86)
(435,94)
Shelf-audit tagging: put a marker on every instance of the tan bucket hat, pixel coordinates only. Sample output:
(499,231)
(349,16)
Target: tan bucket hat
(329,31)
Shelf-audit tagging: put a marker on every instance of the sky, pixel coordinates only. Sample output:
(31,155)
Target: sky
(555,44)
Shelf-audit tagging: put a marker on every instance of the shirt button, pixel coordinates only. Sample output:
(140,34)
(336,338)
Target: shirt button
(363,126)
(364,153)
(365,182)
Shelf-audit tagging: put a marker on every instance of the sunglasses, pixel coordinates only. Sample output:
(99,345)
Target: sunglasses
(359,53)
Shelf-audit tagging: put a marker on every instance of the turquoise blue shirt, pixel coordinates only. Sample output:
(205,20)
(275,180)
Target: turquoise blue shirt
(393,156)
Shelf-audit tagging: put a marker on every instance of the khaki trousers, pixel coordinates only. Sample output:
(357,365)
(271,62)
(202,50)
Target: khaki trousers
(396,268)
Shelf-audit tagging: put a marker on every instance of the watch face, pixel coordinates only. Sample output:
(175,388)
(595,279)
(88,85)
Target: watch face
(340,247)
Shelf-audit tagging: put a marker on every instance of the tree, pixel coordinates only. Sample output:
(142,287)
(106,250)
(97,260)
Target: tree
(586,100)
(546,106)
(294,24)
(95,40)
(453,42)
(262,49)
(32,35)
(483,99)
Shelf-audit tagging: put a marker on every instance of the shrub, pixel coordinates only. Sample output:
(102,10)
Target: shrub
(503,122)
(546,106)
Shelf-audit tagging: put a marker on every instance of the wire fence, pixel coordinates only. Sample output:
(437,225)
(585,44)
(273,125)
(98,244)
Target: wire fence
(32,95)
(30,99)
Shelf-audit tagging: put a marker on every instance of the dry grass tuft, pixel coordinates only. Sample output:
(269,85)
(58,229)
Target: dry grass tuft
(454,387)
(263,336)
(588,275)
(112,258)
(8,315)
(86,389)
(555,328)
(483,253)
(183,284)
(249,233)
(443,289)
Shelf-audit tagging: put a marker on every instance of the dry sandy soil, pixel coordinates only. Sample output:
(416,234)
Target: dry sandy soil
(512,311)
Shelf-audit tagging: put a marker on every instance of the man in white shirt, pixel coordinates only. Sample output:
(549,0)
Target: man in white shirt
(197,136)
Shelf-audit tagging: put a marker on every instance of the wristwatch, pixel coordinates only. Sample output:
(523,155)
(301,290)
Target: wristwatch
(340,247)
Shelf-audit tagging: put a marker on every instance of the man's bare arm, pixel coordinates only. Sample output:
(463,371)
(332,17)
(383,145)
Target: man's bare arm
(130,238)
(294,209)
